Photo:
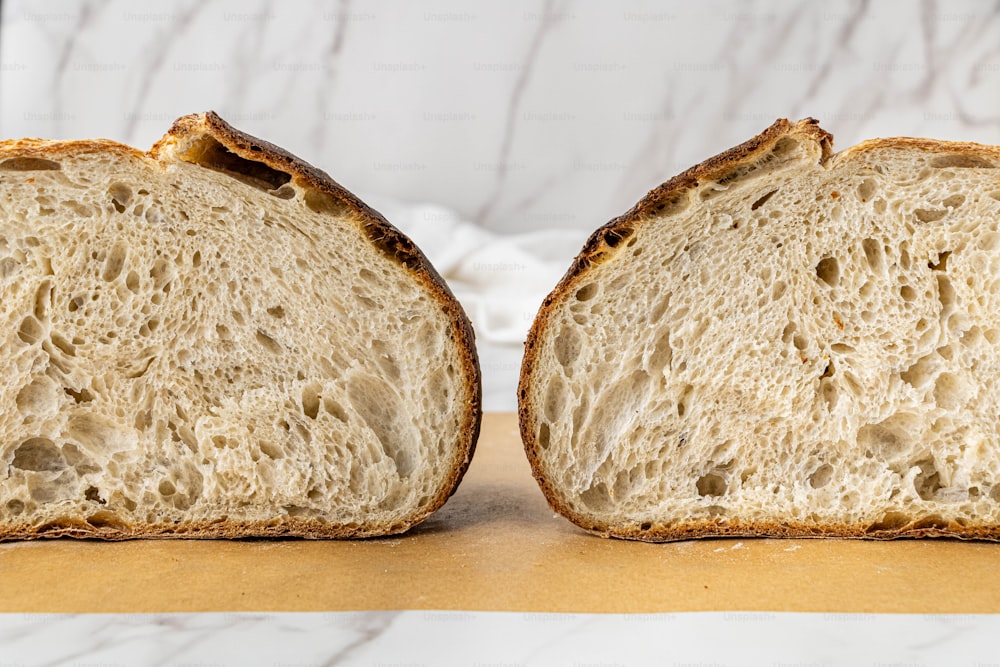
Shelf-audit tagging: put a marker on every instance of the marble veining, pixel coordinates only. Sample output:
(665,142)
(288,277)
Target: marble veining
(412,638)
(520,115)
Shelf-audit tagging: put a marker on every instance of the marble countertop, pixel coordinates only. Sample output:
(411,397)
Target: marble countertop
(498,639)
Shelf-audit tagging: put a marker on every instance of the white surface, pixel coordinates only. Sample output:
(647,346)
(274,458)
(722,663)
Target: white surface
(520,115)
(414,638)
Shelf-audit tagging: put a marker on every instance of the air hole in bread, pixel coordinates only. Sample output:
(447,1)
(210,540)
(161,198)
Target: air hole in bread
(960,162)
(711,484)
(211,154)
(43,300)
(323,202)
(333,408)
(568,345)
(941,262)
(544,435)
(81,396)
(94,432)
(30,331)
(830,394)
(38,397)
(951,391)
(554,404)
(29,164)
(387,362)
(828,270)
(596,497)
(874,255)
(38,455)
(762,200)
(662,354)
(613,237)
(115,261)
(268,343)
(277,312)
(311,400)
(890,521)
(107,519)
(132,282)
(929,215)
(380,407)
(121,196)
(954,201)
(683,399)
(921,371)
(821,476)
(587,292)
(867,189)
(271,450)
(82,210)
(286,191)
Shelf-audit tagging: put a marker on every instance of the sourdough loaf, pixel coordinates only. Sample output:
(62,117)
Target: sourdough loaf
(781,341)
(214,339)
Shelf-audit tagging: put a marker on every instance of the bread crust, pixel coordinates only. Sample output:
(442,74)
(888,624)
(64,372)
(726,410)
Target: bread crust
(386,238)
(601,246)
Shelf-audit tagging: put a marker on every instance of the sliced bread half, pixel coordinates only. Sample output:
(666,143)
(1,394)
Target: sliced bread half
(215,339)
(781,341)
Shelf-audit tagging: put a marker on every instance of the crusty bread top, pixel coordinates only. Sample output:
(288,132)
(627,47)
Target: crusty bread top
(208,141)
(812,147)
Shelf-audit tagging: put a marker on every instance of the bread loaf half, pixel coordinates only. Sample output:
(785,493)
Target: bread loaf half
(214,339)
(781,341)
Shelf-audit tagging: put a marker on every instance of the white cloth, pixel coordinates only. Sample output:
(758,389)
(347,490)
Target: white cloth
(499,279)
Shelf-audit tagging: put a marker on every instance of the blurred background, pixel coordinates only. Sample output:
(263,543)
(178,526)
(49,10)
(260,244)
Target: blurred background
(500,134)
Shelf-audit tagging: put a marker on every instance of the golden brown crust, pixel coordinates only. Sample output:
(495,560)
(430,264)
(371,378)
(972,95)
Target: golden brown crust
(224,528)
(601,246)
(389,240)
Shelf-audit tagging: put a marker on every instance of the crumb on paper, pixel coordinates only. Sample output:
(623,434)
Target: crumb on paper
(738,545)
(794,547)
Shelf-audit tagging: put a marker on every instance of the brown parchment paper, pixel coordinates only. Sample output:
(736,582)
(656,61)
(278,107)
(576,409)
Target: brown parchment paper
(497,546)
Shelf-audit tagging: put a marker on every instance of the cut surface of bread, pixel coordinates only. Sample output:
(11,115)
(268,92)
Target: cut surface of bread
(214,339)
(781,341)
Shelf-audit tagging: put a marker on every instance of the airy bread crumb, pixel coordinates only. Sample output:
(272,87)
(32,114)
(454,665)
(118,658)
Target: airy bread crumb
(215,339)
(781,341)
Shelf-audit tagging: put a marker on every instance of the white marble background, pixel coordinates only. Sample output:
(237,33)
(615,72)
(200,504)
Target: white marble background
(519,115)
(492,639)
(499,134)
